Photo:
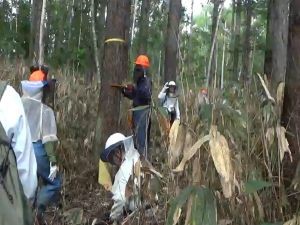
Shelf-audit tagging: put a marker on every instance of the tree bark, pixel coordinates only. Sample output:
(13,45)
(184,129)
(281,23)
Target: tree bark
(237,37)
(212,63)
(291,109)
(246,69)
(96,58)
(279,40)
(36,11)
(172,42)
(144,27)
(115,69)
(268,51)
(41,34)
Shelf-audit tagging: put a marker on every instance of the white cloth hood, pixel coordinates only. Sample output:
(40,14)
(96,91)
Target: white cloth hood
(33,89)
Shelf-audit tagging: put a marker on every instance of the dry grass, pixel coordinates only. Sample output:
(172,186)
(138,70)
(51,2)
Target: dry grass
(243,122)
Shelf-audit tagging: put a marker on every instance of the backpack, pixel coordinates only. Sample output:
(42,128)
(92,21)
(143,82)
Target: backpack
(14,207)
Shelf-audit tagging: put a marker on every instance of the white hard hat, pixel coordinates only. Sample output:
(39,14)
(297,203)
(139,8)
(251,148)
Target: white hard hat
(113,139)
(172,83)
(111,144)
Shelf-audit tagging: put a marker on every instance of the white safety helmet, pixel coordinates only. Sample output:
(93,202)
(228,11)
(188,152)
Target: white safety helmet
(113,139)
(172,83)
(111,144)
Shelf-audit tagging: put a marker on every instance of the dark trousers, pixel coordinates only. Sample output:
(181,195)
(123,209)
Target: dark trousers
(49,192)
(141,130)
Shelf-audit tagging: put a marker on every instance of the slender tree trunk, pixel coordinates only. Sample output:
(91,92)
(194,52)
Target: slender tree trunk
(212,63)
(291,109)
(36,11)
(246,68)
(268,51)
(279,18)
(237,34)
(41,34)
(172,42)
(96,57)
(115,69)
(144,27)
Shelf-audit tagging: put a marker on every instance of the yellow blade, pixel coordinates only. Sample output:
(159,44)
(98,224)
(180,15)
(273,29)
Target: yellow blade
(104,176)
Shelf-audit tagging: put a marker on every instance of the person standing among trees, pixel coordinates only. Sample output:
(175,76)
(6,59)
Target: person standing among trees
(18,180)
(169,100)
(43,131)
(140,94)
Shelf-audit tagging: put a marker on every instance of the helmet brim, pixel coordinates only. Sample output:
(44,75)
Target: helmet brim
(106,153)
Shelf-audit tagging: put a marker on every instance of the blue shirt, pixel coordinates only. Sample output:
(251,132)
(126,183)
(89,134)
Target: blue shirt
(141,93)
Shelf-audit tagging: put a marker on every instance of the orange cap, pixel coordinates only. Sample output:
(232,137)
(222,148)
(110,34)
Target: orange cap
(37,76)
(204,90)
(143,61)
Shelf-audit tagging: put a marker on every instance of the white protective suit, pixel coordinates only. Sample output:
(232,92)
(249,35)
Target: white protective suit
(40,116)
(14,122)
(171,104)
(121,179)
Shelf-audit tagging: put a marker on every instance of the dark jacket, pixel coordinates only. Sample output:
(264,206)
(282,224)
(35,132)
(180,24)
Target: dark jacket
(140,94)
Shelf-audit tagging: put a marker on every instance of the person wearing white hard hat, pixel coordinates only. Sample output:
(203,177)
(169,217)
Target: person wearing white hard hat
(169,100)
(120,151)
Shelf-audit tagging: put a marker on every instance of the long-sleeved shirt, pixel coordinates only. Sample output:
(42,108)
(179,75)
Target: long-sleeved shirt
(121,180)
(141,93)
(170,103)
(14,122)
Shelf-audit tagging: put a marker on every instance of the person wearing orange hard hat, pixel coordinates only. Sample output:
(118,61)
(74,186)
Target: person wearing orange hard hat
(43,129)
(140,94)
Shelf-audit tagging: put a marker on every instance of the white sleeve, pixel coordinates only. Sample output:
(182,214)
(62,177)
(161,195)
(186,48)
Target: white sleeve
(119,188)
(13,119)
(162,96)
(177,110)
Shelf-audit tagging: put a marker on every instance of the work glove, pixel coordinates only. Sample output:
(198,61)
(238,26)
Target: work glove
(53,171)
(166,87)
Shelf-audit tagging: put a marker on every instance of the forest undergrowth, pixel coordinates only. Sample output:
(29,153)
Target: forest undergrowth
(223,164)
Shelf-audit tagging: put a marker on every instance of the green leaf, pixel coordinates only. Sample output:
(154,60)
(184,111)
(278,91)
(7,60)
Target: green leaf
(256,185)
(203,206)
(140,108)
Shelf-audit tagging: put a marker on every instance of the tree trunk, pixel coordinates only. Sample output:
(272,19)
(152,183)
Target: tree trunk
(237,34)
(247,44)
(279,18)
(41,34)
(268,51)
(115,69)
(144,27)
(212,63)
(96,58)
(36,11)
(291,109)
(172,43)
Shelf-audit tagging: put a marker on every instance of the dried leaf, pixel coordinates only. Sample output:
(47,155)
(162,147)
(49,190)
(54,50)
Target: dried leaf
(266,89)
(270,134)
(280,94)
(104,177)
(221,156)
(260,207)
(283,143)
(173,140)
(294,221)
(191,152)
(176,216)
(226,187)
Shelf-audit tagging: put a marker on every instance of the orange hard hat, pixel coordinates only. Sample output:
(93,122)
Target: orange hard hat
(143,61)
(204,90)
(37,76)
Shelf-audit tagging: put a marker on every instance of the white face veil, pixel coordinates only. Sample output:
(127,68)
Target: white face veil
(40,117)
